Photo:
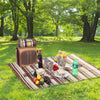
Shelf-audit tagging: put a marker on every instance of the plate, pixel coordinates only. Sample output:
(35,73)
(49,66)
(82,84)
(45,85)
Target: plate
(70,65)
(61,76)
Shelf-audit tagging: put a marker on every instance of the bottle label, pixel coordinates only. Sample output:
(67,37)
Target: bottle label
(75,66)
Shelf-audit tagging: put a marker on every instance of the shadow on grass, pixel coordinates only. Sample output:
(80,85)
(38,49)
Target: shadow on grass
(7,53)
(51,48)
(68,46)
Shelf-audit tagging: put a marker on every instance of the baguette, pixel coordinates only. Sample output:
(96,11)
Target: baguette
(60,72)
(40,71)
(67,66)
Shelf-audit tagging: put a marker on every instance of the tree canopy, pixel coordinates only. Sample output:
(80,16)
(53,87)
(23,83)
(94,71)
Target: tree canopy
(49,17)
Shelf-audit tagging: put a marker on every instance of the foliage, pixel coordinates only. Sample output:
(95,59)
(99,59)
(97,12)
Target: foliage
(49,14)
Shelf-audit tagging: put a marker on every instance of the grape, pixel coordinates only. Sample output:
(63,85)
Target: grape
(47,80)
(41,83)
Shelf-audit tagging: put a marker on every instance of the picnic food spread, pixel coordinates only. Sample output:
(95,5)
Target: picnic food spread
(36,72)
(86,71)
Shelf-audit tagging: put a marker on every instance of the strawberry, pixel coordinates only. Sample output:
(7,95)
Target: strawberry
(55,67)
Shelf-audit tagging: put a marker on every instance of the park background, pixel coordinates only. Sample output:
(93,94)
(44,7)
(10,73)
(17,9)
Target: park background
(72,26)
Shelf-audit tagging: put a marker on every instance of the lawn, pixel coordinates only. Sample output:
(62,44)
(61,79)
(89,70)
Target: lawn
(11,87)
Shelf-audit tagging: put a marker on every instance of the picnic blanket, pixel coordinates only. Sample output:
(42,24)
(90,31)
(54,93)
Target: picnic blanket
(86,71)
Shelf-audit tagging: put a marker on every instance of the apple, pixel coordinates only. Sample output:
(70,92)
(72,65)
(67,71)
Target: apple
(39,77)
(35,79)
(37,82)
(42,80)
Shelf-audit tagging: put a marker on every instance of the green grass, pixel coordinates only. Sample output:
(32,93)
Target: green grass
(12,89)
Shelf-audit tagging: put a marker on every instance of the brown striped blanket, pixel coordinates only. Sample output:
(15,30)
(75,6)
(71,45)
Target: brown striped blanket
(86,71)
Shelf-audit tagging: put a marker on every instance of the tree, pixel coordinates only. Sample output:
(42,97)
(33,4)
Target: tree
(2,25)
(86,15)
(3,7)
(15,18)
(28,12)
(89,28)
(53,10)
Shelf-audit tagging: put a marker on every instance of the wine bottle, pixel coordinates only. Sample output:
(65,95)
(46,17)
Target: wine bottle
(40,59)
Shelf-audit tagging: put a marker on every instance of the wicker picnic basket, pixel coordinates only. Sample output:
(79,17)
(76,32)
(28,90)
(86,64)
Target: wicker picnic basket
(26,52)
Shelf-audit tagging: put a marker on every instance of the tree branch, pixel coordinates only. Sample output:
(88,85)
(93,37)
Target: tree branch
(33,4)
(25,5)
(18,7)
(29,5)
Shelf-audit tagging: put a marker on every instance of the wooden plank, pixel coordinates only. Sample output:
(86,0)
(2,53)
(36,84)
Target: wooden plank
(52,80)
(57,80)
(61,79)
(86,71)
(30,76)
(52,75)
(81,74)
(70,72)
(45,84)
(85,74)
(30,69)
(70,77)
(83,70)
(20,76)
(28,73)
(47,74)
(36,66)
(28,79)
(22,72)
(88,66)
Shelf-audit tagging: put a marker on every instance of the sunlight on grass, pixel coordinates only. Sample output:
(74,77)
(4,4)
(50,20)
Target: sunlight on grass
(5,39)
(48,39)
(3,48)
(12,89)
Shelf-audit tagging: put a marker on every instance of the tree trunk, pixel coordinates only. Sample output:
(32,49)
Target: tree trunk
(94,27)
(56,30)
(30,26)
(89,32)
(86,29)
(15,21)
(15,31)
(20,34)
(2,26)
(29,14)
